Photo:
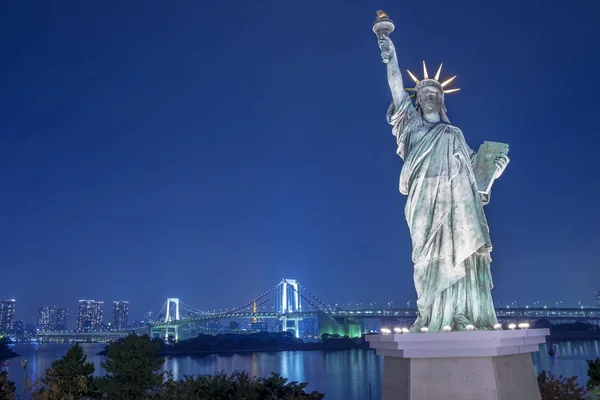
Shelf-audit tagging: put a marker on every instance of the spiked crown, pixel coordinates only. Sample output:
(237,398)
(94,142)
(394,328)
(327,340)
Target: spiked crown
(426,81)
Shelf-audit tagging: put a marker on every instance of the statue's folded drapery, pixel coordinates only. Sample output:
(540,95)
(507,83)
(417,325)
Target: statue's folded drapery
(448,227)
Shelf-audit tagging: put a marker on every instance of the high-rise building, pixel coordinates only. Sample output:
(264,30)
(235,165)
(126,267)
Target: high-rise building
(18,327)
(29,329)
(61,319)
(7,315)
(46,318)
(120,315)
(597,298)
(89,315)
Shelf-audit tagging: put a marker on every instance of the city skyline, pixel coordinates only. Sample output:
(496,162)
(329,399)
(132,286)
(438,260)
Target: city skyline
(204,150)
(119,311)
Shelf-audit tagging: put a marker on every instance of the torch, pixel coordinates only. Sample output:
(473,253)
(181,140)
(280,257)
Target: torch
(382,27)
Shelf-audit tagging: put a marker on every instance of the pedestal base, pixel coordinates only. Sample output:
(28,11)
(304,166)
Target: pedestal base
(494,365)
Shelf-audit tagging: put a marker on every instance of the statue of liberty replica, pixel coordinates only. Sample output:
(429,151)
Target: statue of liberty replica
(446,184)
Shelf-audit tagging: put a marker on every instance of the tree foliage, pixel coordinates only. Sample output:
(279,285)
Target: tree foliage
(593,373)
(7,388)
(238,386)
(132,369)
(560,388)
(70,378)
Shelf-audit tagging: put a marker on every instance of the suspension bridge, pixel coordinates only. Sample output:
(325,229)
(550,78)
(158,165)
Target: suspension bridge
(284,307)
(288,304)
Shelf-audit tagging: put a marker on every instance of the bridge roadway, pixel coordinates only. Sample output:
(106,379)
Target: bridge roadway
(591,315)
(89,335)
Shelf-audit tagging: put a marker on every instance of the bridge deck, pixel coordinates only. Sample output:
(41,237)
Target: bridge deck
(575,314)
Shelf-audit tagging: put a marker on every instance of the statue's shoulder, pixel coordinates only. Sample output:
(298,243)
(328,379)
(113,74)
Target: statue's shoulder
(452,129)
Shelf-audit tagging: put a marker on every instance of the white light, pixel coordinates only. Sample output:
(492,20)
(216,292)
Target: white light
(385,331)
(424,329)
(447,328)
(498,327)
(405,330)
(470,328)
(524,326)
(512,327)
(397,330)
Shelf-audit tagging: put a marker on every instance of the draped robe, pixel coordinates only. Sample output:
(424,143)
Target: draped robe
(450,238)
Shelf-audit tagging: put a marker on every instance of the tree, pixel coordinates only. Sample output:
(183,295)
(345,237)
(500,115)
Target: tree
(7,388)
(593,383)
(132,369)
(542,324)
(593,373)
(239,385)
(277,387)
(5,351)
(70,378)
(559,388)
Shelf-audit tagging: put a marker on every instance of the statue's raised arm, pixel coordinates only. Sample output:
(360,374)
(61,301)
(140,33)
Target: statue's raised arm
(382,28)
(393,70)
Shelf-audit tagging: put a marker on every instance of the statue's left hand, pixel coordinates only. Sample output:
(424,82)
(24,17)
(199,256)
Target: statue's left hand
(501,163)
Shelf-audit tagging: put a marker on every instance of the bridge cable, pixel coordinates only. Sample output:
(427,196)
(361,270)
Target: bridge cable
(305,299)
(315,297)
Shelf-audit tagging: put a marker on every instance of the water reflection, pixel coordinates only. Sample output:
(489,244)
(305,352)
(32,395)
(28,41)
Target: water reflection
(348,375)
(569,360)
(254,365)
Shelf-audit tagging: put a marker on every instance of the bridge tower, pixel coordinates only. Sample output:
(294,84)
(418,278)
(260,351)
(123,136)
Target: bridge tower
(169,332)
(172,310)
(290,296)
(290,303)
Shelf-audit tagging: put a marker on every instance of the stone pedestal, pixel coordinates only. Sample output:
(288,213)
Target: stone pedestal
(479,365)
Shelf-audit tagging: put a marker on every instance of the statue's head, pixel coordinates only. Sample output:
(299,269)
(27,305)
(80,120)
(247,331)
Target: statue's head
(430,96)
(430,93)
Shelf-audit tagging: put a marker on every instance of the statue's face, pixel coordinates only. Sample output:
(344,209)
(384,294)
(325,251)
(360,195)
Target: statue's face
(430,99)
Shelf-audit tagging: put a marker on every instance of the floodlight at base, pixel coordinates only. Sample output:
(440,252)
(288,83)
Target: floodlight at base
(498,327)
(470,328)
(385,331)
(524,326)
(447,328)
(405,330)
(424,329)
(397,330)
(512,327)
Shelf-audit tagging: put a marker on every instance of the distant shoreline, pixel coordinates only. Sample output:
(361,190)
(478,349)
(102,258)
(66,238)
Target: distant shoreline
(332,345)
(562,336)
(8,353)
(262,349)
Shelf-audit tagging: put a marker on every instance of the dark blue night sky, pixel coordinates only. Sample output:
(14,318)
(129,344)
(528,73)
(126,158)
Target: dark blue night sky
(204,150)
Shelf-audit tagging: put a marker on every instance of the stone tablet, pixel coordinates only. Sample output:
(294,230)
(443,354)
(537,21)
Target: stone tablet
(484,166)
